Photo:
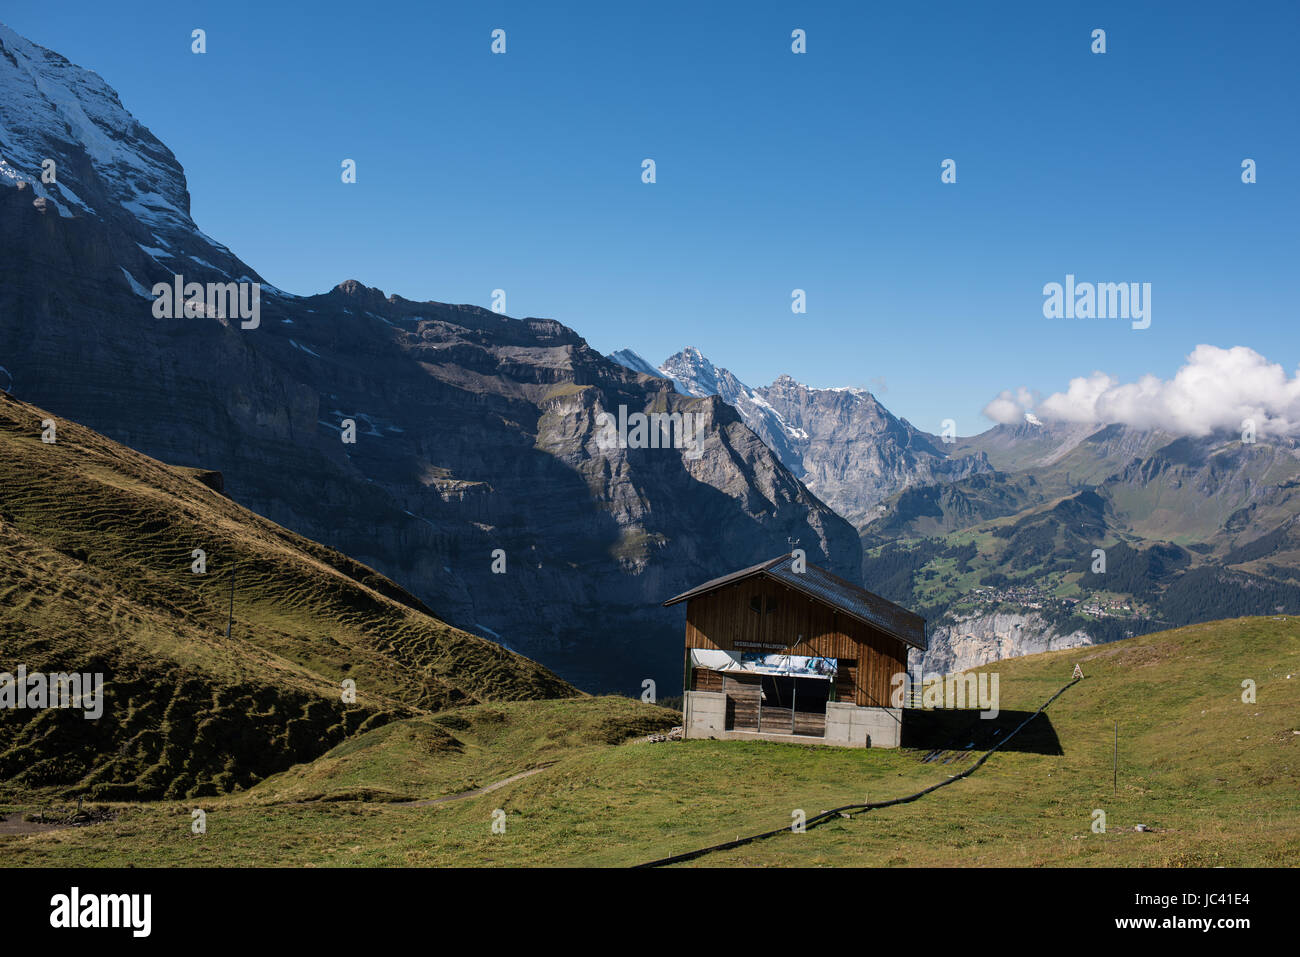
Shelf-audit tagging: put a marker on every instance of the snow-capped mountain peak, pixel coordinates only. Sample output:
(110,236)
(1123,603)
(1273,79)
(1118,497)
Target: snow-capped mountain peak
(48,104)
(699,376)
(105,163)
(845,446)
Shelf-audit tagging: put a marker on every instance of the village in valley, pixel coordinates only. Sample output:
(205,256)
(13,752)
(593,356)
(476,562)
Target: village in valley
(1038,598)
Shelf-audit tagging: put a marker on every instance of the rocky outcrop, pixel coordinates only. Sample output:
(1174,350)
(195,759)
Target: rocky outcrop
(855,453)
(845,446)
(977,640)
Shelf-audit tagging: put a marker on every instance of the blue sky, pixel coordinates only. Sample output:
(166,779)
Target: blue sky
(775,171)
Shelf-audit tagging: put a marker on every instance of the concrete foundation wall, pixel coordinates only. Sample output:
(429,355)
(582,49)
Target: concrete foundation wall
(704,715)
(850,726)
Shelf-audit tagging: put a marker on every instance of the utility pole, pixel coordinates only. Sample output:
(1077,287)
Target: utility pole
(230,619)
(1114,782)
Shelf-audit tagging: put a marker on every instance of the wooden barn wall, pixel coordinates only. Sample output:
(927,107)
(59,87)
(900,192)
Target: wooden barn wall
(742,693)
(705,679)
(797,625)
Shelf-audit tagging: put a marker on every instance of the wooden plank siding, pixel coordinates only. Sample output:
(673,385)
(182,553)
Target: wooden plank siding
(743,712)
(846,680)
(742,701)
(792,623)
(706,679)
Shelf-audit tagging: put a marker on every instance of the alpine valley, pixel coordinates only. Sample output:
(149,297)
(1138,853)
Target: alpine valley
(995,538)
(477,484)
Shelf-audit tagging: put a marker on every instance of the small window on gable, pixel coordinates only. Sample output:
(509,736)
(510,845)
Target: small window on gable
(756,604)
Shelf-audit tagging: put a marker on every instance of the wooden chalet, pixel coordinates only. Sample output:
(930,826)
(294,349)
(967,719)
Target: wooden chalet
(784,650)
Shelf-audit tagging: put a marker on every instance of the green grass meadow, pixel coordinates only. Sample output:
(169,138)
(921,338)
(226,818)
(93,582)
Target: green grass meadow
(1216,779)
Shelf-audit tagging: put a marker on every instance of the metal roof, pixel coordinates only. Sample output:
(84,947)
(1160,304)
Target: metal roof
(831,590)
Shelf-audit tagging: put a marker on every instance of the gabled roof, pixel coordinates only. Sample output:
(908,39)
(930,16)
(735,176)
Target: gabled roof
(821,585)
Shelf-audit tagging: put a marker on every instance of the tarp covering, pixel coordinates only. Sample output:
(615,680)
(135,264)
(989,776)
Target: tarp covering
(796,666)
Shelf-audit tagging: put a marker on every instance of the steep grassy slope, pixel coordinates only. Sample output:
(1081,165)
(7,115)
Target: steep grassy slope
(96,555)
(1213,777)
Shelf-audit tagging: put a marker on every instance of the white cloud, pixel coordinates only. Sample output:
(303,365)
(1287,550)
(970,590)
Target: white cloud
(1009,407)
(1216,389)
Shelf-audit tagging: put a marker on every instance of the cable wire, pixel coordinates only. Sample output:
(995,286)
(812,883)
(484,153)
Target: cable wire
(834,812)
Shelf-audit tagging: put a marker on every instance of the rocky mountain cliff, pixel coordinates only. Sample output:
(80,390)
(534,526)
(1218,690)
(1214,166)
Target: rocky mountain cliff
(842,443)
(969,641)
(474,432)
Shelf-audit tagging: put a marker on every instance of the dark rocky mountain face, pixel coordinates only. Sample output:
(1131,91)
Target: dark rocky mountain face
(473,431)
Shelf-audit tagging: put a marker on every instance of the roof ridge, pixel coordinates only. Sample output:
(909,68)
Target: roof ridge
(829,589)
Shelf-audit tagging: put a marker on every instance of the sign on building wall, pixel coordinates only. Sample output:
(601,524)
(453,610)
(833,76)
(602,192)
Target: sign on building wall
(795,666)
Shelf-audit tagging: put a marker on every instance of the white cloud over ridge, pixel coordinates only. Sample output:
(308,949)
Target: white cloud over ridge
(1214,390)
